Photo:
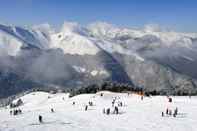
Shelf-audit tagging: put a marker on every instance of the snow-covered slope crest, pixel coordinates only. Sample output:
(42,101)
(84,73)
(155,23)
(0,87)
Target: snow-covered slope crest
(68,117)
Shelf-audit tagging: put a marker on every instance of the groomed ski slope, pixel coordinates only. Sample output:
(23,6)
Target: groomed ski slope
(135,115)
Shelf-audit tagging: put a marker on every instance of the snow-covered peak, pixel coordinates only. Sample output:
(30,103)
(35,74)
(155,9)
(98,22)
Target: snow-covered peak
(72,41)
(70,27)
(152,28)
(74,44)
(102,29)
(46,28)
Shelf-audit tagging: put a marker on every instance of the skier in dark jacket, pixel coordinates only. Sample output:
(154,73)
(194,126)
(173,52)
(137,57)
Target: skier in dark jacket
(167,111)
(142,97)
(170,99)
(162,114)
(86,108)
(40,119)
(116,110)
(108,111)
(175,112)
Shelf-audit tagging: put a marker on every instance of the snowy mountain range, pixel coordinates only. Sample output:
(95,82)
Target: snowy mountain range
(75,56)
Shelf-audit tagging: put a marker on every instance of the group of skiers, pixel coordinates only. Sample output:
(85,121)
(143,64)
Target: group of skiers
(16,112)
(115,104)
(107,111)
(169,112)
(90,103)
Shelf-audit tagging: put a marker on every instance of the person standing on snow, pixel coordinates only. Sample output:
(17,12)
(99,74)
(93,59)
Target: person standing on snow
(40,119)
(86,108)
(116,110)
(108,111)
(175,112)
(162,114)
(142,97)
(167,111)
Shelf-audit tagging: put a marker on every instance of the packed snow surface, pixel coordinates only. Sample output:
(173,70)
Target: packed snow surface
(134,115)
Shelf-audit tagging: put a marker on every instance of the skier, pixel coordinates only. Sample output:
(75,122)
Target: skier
(40,119)
(90,103)
(15,112)
(11,112)
(116,110)
(175,112)
(170,99)
(142,97)
(86,108)
(73,103)
(162,114)
(52,111)
(108,111)
(113,102)
(167,111)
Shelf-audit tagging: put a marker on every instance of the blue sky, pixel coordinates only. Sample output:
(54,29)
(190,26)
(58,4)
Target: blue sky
(180,15)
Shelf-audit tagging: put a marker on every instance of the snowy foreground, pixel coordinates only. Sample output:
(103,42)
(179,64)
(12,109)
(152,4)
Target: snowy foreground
(135,115)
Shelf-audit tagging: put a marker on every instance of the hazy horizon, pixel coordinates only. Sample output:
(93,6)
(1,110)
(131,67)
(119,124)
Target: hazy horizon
(175,15)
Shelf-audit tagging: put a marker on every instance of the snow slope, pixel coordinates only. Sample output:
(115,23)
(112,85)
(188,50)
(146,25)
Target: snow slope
(135,115)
